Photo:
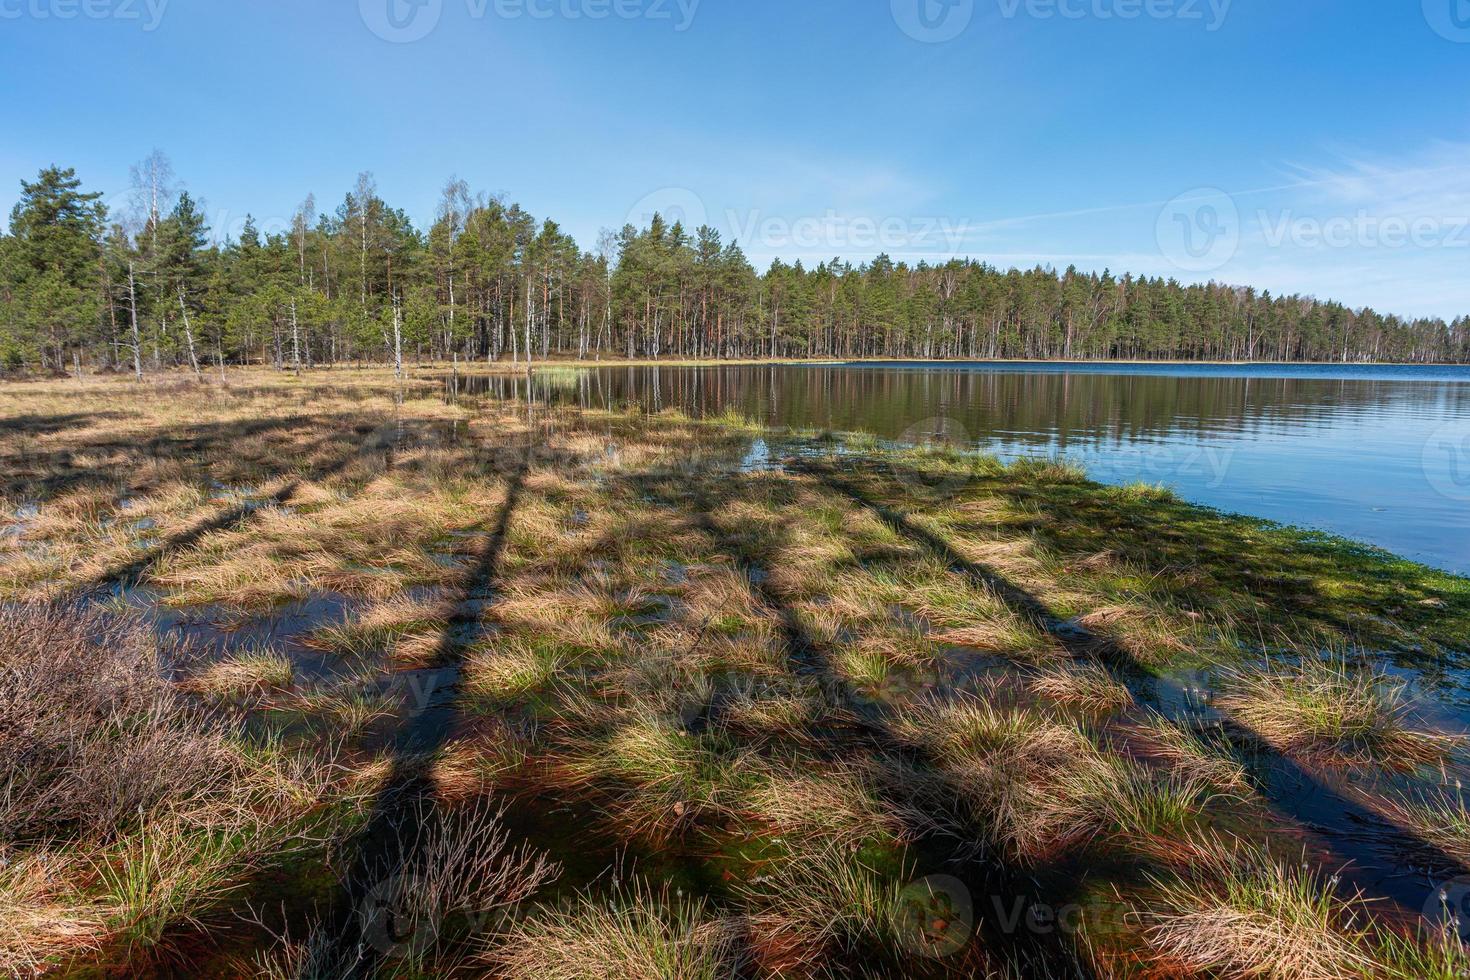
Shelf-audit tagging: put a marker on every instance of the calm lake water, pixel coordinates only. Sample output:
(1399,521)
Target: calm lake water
(1379,454)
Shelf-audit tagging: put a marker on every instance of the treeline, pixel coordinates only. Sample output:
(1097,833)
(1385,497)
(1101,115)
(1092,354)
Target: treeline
(148,288)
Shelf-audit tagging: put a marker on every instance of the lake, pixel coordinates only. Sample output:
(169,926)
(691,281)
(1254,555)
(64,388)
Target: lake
(1376,453)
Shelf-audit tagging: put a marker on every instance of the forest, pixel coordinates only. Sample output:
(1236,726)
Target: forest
(149,288)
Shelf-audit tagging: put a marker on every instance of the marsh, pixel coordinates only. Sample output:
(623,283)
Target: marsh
(495,679)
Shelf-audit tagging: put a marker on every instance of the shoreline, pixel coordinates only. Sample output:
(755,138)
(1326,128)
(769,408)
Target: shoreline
(505,366)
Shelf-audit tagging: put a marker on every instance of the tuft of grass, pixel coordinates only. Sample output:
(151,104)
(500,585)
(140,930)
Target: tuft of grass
(1251,916)
(866,667)
(1190,754)
(1052,470)
(1151,811)
(1034,783)
(634,933)
(838,805)
(787,712)
(171,874)
(511,667)
(1433,954)
(378,628)
(244,674)
(1441,816)
(37,925)
(822,894)
(1087,687)
(658,776)
(1328,709)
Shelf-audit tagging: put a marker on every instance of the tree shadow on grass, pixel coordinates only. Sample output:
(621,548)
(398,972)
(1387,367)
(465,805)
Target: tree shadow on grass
(1338,821)
(54,470)
(362,929)
(993,883)
(130,574)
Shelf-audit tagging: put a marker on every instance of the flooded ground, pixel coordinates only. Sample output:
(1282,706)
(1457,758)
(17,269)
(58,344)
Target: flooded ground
(776,703)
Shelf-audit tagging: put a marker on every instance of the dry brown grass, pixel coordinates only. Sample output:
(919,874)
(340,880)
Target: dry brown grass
(255,672)
(1036,784)
(837,804)
(1087,687)
(1247,915)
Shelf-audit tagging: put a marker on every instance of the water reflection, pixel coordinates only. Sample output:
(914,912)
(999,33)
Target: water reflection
(1370,453)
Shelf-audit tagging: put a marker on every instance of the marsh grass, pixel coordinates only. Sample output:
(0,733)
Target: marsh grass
(1432,954)
(1036,784)
(1333,711)
(147,813)
(821,895)
(169,875)
(39,922)
(839,805)
(374,630)
(1188,752)
(1087,687)
(342,711)
(789,711)
(249,672)
(636,932)
(1440,815)
(657,778)
(688,650)
(512,668)
(1249,915)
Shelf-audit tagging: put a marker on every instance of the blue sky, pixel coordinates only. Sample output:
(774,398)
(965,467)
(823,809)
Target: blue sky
(1314,146)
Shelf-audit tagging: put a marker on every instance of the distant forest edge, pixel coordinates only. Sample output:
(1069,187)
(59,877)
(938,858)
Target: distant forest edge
(147,288)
